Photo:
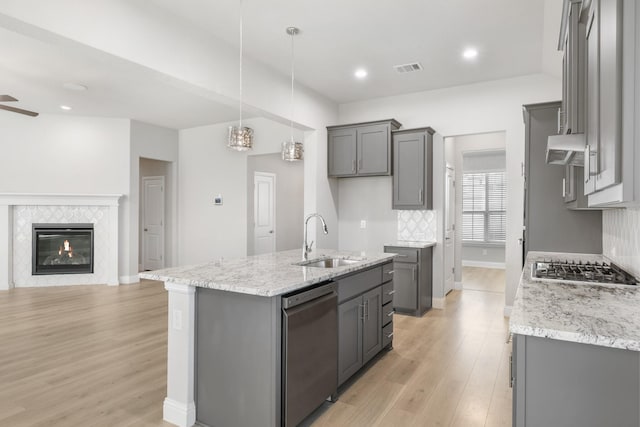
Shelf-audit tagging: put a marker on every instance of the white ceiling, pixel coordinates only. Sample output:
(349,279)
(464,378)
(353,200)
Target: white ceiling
(513,37)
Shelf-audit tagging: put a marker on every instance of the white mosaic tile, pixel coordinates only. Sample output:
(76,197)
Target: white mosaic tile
(24,216)
(621,238)
(416,226)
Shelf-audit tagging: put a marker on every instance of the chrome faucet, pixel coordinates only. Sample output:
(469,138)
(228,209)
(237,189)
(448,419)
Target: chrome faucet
(306,248)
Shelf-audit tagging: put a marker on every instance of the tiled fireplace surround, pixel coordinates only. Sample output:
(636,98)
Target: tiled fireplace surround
(19,211)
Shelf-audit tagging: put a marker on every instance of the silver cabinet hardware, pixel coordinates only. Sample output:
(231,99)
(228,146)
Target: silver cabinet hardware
(390,335)
(390,271)
(420,195)
(564,187)
(390,313)
(511,379)
(391,292)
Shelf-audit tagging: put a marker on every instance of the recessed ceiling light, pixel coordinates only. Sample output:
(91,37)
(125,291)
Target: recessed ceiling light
(65,107)
(470,53)
(360,73)
(74,86)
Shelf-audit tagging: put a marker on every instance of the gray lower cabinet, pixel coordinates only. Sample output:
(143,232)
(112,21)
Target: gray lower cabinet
(361,298)
(359,334)
(413,169)
(560,383)
(412,281)
(362,149)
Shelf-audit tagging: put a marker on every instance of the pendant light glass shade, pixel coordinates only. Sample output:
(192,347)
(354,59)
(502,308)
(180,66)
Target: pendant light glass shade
(292,150)
(240,138)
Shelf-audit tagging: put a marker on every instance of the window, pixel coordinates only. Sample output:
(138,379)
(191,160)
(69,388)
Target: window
(484,216)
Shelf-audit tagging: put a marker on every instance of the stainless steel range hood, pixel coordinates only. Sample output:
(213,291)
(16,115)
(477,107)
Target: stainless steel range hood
(566,149)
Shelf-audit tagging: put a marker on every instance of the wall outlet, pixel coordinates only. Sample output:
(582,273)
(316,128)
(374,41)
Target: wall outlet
(363,223)
(217,200)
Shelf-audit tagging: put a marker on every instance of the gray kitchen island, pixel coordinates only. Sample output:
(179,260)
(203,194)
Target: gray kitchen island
(233,325)
(576,350)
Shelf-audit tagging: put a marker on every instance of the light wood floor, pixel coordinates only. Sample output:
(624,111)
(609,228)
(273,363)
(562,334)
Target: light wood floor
(96,356)
(483,279)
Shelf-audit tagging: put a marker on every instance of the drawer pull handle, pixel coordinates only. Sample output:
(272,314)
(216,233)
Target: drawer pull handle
(390,313)
(390,335)
(391,292)
(402,256)
(390,271)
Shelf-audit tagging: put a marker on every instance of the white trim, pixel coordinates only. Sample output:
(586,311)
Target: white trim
(438,303)
(127,280)
(483,264)
(180,288)
(178,413)
(457,286)
(507,310)
(59,199)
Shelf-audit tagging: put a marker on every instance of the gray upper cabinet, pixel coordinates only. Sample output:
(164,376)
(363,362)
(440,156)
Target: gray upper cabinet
(342,152)
(573,112)
(362,149)
(413,169)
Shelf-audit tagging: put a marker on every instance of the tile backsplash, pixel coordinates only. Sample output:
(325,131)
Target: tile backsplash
(416,226)
(621,238)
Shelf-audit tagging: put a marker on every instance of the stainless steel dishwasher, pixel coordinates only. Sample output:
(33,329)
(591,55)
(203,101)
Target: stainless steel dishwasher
(309,351)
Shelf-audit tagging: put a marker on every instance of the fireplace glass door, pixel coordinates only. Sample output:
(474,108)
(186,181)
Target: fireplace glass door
(62,249)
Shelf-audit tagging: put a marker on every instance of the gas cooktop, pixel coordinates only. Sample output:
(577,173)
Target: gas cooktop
(576,271)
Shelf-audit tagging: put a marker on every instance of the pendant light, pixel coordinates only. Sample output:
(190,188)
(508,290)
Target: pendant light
(292,150)
(240,138)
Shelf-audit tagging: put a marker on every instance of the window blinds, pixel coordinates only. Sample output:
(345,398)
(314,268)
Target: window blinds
(484,207)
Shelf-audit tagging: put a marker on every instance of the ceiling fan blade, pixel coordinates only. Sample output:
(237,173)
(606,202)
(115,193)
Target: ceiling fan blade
(18,110)
(7,98)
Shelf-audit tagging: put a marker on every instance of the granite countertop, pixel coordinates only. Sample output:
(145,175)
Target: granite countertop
(265,275)
(408,244)
(605,315)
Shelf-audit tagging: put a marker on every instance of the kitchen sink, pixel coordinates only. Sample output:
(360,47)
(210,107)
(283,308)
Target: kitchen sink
(328,262)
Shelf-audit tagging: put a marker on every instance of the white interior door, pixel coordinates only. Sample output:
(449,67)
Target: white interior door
(153,222)
(449,230)
(264,214)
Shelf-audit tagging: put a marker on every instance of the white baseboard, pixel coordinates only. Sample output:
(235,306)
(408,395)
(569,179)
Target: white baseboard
(483,264)
(457,286)
(127,280)
(180,414)
(507,310)
(438,303)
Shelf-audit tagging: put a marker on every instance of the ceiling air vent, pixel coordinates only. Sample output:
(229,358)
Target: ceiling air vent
(408,68)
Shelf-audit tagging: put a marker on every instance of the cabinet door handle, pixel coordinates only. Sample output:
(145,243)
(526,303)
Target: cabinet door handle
(564,187)
(390,271)
(360,164)
(366,306)
(391,292)
(390,335)
(420,195)
(511,371)
(361,316)
(390,313)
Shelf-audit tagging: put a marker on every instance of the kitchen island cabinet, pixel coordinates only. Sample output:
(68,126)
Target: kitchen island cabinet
(225,342)
(576,351)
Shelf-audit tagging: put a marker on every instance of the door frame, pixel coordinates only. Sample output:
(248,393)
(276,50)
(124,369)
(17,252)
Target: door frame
(143,180)
(255,207)
(450,212)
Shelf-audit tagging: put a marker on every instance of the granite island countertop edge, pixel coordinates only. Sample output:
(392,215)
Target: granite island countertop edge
(264,275)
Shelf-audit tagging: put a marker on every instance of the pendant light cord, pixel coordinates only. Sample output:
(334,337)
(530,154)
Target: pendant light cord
(240,125)
(292,80)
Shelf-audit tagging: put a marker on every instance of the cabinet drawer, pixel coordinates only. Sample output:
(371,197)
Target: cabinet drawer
(359,283)
(387,272)
(387,334)
(404,254)
(387,292)
(387,314)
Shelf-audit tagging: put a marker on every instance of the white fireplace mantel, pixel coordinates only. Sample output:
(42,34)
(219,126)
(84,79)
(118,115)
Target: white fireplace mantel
(8,202)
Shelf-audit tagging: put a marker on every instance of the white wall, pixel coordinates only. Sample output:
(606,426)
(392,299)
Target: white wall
(485,107)
(207,168)
(484,142)
(151,142)
(68,154)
